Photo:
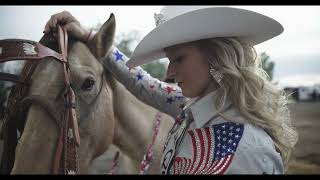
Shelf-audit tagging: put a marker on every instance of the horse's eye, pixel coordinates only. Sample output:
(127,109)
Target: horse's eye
(88,84)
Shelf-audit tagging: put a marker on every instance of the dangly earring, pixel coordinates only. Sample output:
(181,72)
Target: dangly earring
(216,74)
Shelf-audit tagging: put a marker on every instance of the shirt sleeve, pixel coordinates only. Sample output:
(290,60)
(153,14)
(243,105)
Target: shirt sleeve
(165,97)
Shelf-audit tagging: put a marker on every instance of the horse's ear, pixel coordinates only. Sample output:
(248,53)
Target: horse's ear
(102,41)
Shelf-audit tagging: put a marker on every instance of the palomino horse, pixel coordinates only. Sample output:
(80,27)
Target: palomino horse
(108,114)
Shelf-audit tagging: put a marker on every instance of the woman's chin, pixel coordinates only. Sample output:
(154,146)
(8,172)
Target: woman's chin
(188,94)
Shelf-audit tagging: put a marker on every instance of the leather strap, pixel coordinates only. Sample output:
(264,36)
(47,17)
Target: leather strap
(21,49)
(10,77)
(69,138)
(71,131)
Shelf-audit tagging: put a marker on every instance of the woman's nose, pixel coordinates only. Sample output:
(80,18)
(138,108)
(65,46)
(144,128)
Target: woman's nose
(171,71)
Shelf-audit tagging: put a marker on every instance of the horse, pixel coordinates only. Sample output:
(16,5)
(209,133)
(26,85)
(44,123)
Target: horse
(109,117)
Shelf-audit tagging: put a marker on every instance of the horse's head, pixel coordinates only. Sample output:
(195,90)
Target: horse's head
(37,146)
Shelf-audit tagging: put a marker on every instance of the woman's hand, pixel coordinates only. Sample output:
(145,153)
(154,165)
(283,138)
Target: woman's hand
(70,23)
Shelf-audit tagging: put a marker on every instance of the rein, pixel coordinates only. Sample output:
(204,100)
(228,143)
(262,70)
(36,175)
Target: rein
(66,156)
(148,157)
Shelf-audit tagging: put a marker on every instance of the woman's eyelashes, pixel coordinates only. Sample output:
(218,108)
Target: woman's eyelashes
(177,60)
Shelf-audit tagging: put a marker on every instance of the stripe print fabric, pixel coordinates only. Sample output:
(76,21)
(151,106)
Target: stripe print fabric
(213,149)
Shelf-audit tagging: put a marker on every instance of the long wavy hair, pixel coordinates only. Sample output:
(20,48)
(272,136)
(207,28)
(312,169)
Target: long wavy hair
(246,85)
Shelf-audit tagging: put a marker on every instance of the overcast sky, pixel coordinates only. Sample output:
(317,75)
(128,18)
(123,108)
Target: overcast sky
(295,52)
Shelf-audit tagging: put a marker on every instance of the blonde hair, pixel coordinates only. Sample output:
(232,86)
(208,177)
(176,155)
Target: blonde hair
(245,84)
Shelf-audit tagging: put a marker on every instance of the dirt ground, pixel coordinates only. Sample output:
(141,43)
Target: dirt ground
(306,157)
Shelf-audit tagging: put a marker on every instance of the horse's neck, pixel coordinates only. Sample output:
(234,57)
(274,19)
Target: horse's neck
(134,123)
(134,127)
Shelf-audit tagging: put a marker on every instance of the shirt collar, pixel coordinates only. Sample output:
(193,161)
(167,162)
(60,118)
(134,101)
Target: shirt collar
(203,109)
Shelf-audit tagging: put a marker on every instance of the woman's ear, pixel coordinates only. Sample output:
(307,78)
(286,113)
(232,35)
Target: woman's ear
(102,41)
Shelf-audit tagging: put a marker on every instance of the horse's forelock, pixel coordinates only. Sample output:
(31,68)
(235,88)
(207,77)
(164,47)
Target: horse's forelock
(51,42)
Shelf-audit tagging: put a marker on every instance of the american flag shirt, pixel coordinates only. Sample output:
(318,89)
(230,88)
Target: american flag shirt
(200,141)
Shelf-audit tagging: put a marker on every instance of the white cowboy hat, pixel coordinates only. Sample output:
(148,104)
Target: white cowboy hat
(181,24)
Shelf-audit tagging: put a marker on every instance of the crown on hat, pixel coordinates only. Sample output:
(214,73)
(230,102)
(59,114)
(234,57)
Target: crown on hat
(159,19)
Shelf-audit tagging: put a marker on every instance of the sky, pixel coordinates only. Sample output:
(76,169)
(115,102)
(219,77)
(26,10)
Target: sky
(296,52)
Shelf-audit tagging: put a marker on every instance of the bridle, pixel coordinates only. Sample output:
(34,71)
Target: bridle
(66,156)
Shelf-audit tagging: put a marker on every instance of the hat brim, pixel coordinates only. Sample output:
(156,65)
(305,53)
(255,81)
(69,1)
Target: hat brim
(249,26)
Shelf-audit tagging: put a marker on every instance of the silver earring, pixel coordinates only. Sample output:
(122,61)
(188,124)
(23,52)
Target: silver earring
(216,74)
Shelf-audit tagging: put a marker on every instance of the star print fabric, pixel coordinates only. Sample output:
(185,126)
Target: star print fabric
(213,149)
(166,97)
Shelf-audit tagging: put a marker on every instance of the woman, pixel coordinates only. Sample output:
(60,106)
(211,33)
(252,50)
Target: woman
(229,118)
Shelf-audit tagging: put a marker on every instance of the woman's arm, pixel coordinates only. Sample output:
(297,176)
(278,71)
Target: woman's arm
(160,95)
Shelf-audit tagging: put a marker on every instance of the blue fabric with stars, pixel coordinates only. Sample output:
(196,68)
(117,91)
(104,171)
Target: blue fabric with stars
(119,56)
(226,138)
(163,96)
(139,76)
